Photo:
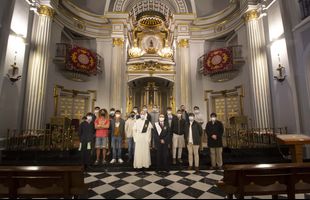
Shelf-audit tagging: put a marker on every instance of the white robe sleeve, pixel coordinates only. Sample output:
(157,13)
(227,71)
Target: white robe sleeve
(150,133)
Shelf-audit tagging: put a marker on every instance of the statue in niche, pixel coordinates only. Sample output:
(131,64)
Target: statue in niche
(151,44)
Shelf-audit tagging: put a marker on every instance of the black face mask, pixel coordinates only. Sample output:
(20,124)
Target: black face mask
(132,116)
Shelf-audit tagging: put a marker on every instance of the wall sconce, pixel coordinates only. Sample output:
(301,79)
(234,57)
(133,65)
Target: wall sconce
(13,73)
(281,72)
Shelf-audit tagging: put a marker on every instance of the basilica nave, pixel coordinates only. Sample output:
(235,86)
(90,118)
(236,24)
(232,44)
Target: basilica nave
(226,84)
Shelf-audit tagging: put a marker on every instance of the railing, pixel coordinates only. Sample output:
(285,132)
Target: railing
(63,50)
(2,143)
(252,138)
(45,140)
(236,54)
(304,8)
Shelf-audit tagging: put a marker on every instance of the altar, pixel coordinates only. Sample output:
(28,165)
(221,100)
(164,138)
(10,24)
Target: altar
(296,143)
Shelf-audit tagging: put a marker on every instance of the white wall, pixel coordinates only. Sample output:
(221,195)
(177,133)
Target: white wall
(284,98)
(11,96)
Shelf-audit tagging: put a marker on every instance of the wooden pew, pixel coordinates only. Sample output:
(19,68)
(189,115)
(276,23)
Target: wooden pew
(42,181)
(266,179)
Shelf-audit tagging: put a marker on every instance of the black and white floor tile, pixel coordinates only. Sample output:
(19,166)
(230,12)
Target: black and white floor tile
(173,185)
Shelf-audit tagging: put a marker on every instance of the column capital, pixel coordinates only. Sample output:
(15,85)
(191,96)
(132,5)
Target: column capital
(251,15)
(46,11)
(118,42)
(183,43)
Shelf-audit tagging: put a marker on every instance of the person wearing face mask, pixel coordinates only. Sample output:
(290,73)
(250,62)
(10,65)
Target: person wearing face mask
(148,116)
(169,119)
(102,125)
(215,130)
(185,115)
(178,142)
(162,137)
(142,138)
(112,117)
(86,135)
(94,115)
(136,111)
(154,116)
(129,125)
(199,118)
(193,133)
(117,137)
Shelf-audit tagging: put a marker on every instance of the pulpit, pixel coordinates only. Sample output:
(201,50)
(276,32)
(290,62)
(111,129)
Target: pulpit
(296,143)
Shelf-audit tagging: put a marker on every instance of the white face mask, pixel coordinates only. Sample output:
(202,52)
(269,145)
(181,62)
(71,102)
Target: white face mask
(161,119)
(155,109)
(89,118)
(135,110)
(191,118)
(197,112)
(117,115)
(96,111)
(142,117)
(179,115)
(169,112)
(213,119)
(145,109)
(112,112)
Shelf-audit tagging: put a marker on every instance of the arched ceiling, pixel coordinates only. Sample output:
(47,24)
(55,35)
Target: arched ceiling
(202,8)
(209,7)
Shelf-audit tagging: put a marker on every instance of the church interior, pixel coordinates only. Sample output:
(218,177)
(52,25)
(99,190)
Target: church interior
(226,81)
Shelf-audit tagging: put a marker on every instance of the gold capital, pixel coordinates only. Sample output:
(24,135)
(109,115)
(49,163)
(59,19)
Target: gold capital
(184,43)
(118,41)
(46,11)
(251,15)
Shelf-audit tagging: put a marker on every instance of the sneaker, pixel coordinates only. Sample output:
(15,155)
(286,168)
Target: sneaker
(180,161)
(113,161)
(120,161)
(104,162)
(174,161)
(96,162)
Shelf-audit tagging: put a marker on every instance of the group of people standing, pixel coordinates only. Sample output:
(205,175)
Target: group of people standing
(165,133)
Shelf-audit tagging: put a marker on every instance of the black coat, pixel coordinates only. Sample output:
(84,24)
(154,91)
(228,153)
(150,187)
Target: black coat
(86,132)
(167,120)
(215,129)
(196,131)
(178,126)
(164,135)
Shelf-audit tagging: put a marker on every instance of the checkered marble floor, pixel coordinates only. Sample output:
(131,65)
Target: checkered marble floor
(173,185)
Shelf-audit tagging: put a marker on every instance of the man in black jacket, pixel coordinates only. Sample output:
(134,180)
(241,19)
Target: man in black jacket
(215,130)
(86,135)
(162,136)
(193,134)
(178,132)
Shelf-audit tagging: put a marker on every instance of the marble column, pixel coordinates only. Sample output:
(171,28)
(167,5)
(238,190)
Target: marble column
(116,98)
(38,69)
(185,78)
(258,67)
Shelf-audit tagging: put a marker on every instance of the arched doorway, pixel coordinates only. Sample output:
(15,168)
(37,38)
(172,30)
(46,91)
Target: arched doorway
(151,91)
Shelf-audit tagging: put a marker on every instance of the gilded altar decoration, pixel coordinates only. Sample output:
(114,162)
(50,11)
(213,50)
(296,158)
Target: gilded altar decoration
(150,66)
(118,42)
(183,43)
(82,60)
(135,51)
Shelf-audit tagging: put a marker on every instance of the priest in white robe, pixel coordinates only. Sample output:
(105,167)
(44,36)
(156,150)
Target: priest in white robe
(142,137)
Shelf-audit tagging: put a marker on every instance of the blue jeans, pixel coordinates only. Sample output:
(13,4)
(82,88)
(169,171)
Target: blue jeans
(131,148)
(117,146)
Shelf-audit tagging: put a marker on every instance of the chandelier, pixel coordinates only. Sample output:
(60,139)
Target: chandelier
(135,51)
(150,18)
